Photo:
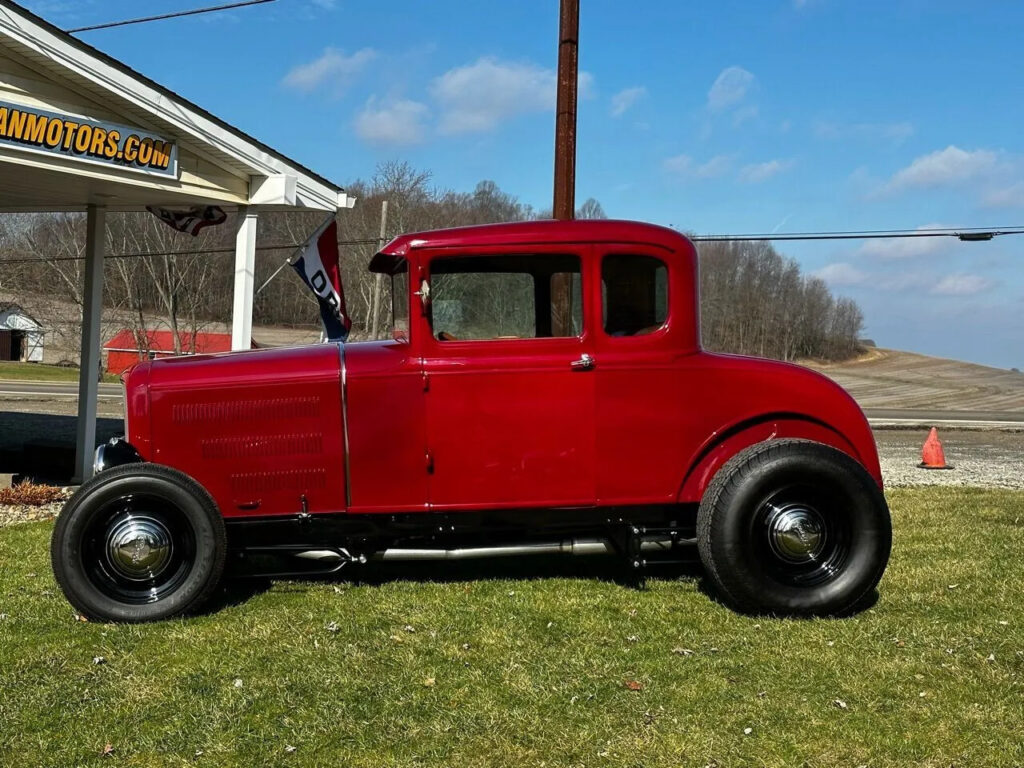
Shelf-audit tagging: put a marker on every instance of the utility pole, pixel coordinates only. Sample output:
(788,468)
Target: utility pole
(377,285)
(565,111)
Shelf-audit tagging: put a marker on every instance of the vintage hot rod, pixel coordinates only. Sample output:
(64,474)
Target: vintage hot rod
(544,390)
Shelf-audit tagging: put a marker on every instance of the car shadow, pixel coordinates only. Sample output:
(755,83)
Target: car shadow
(233,592)
(527,568)
(41,446)
(237,590)
(706,588)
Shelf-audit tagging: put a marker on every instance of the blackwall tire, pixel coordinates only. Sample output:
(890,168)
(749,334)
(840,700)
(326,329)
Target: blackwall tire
(796,528)
(137,543)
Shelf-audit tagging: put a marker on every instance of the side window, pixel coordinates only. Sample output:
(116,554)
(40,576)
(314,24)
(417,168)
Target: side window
(400,301)
(634,293)
(566,303)
(475,298)
(388,288)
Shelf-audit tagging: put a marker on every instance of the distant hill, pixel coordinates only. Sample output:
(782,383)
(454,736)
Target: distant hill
(887,378)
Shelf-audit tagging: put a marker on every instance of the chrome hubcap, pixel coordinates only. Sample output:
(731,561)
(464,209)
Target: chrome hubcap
(138,547)
(796,533)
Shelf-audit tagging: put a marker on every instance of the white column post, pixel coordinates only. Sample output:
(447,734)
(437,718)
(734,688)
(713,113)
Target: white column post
(245,275)
(92,312)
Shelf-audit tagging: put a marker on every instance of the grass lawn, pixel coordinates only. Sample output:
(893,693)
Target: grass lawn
(39,372)
(490,667)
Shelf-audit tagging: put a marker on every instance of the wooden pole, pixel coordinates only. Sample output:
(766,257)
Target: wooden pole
(565,111)
(379,278)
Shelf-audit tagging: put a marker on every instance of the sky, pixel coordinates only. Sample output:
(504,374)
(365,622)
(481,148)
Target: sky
(726,117)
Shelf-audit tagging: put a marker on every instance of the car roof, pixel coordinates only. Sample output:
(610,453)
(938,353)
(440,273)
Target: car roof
(541,232)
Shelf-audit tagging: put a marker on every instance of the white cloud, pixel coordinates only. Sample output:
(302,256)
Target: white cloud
(626,98)
(945,166)
(743,114)
(906,247)
(1006,197)
(398,122)
(332,68)
(730,88)
(962,285)
(713,168)
(758,172)
(684,166)
(894,132)
(680,165)
(842,273)
(478,96)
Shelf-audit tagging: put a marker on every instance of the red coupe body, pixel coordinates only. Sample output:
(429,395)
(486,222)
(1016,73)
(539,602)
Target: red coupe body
(586,412)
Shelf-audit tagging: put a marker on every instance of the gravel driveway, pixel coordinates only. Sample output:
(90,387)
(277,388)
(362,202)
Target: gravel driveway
(980,458)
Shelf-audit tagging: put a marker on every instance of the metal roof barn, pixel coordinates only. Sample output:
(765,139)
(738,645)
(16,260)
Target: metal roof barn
(21,335)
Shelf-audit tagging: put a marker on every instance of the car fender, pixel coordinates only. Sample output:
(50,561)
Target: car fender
(726,443)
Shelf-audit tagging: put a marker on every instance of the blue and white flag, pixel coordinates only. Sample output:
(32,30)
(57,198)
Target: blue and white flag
(318,267)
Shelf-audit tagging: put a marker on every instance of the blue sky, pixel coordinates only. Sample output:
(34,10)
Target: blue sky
(779,115)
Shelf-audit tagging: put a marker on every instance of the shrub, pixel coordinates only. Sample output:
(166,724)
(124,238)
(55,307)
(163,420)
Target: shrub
(32,495)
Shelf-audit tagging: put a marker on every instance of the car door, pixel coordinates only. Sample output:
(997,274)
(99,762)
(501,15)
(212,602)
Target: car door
(642,408)
(509,378)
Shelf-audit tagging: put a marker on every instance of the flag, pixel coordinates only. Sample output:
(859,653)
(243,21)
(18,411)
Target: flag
(192,220)
(317,265)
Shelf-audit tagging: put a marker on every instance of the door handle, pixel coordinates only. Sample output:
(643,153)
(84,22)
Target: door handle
(585,363)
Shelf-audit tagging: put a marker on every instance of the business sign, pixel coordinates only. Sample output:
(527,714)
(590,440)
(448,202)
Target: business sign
(36,130)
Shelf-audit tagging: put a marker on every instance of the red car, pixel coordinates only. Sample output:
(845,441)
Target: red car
(544,391)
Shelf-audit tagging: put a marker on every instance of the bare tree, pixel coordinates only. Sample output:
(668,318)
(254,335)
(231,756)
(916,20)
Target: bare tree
(755,301)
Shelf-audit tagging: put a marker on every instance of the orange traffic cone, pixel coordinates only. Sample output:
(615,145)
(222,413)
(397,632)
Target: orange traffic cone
(932,455)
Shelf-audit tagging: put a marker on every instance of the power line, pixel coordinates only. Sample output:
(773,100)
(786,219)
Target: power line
(967,234)
(163,16)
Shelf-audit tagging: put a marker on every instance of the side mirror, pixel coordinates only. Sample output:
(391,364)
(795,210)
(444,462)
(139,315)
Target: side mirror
(424,294)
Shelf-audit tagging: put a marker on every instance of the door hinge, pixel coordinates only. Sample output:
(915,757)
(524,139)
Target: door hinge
(429,462)
(426,382)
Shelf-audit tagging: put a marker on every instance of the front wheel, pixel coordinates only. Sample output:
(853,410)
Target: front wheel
(794,527)
(139,542)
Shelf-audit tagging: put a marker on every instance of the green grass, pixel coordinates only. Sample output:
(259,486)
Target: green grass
(532,671)
(38,372)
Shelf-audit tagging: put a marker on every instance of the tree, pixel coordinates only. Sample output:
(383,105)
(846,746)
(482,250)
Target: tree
(591,209)
(755,301)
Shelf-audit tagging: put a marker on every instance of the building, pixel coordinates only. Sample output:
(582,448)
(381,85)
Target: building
(82,131)
(21,335)
(128,347)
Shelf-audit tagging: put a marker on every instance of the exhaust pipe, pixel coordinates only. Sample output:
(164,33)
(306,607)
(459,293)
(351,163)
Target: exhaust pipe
(576,547)
(566,547)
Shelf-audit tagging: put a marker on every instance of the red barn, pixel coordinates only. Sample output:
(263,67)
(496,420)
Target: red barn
(127,348)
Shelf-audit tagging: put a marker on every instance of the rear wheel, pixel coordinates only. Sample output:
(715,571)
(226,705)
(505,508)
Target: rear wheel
(140,542)
(794,527)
